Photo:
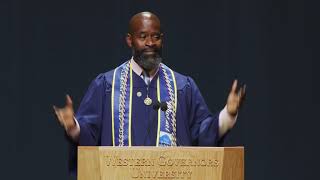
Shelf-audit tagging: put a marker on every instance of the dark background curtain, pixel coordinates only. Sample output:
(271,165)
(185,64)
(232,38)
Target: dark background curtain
(54,47)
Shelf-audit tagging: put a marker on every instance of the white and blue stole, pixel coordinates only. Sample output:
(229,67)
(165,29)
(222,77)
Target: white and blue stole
(121,104)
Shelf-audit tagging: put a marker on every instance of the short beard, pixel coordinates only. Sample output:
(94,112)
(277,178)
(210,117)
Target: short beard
(148,62)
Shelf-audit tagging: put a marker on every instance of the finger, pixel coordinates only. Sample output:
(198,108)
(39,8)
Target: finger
(56,110)
(243,94)
(68,101)
(60,118)
(239,95)
(58,115)
(240,92)
(234,86)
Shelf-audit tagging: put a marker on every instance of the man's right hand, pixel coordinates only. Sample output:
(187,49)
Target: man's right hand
(65,115)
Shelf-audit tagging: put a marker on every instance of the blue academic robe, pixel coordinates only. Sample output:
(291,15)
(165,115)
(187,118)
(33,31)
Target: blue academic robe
(195,124)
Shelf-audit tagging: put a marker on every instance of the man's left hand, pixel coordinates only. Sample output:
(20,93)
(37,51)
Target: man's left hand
(235,98)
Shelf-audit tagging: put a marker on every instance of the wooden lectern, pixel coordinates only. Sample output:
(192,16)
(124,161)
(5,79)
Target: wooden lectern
(214,163)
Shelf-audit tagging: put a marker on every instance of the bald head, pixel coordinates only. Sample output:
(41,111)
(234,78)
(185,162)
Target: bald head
(145,40)
(143,17)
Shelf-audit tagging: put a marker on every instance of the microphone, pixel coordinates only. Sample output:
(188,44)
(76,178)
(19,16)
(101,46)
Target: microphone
(156,105)
(162,105)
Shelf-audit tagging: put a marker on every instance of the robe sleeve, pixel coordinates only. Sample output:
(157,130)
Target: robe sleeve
(203,125)
(89,116)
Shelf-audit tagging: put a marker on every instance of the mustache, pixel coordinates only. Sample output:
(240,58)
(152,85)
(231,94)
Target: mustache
(149,50)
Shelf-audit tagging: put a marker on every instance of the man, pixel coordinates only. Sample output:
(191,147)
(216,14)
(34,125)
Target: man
(144,103)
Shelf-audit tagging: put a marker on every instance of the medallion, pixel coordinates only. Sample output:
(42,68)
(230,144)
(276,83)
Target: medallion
(147,101)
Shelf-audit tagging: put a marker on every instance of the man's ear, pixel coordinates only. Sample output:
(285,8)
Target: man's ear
(129,40)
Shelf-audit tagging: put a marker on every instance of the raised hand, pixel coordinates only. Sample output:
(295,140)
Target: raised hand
(235,98)
(65,115)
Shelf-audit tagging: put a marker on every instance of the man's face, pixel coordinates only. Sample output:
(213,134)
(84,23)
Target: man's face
(146,43)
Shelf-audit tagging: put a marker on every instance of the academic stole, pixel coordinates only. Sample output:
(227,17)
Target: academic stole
(121,101)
